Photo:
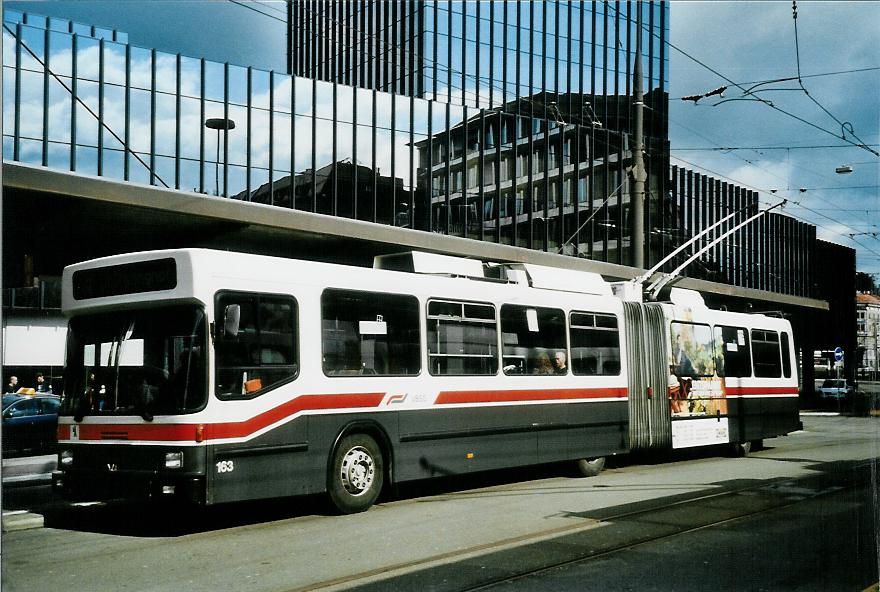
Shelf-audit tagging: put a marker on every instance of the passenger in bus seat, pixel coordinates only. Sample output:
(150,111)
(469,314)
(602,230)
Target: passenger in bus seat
(590,366)
(560,362)
(543,365)
(610,367)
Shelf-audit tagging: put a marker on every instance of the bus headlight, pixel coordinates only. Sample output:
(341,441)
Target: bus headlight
(66,457)
(173,460)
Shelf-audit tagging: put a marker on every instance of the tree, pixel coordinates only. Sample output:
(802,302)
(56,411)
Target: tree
(865,283)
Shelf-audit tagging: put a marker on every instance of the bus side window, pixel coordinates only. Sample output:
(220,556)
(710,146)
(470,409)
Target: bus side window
(530,338)
(735,359)
(595,344)
(369,333)
(462,338)
(765,354)
(786,356)
(263,352)
(693,351)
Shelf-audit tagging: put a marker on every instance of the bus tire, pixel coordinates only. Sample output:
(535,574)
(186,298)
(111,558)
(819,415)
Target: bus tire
(356,474)
(590,467)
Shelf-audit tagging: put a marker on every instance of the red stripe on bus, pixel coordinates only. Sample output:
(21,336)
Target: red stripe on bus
(453,397)
(761,390)
(216,431)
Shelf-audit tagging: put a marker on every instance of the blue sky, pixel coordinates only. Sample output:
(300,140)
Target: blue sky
(755,41)
(742,41)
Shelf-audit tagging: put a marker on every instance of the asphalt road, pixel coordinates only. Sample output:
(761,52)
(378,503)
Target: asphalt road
(801,514)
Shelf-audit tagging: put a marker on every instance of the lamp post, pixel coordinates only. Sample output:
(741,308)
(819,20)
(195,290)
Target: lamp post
(225,124)
(638,172)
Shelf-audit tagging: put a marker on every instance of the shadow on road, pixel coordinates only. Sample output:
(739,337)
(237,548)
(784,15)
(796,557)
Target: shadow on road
(167,520)
(172,520)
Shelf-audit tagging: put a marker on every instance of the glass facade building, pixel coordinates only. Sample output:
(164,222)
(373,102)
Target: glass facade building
(530,108)
(507,122)
(531,153)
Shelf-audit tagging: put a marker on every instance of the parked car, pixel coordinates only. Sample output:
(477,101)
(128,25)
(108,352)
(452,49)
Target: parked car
(836,388)
(30,422)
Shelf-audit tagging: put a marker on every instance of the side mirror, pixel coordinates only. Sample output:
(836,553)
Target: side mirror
(231,320)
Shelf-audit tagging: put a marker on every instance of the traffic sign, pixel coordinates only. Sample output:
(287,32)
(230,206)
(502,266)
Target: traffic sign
(838,354)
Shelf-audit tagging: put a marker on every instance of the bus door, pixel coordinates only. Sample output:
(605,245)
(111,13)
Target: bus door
(649,410)
(697,393)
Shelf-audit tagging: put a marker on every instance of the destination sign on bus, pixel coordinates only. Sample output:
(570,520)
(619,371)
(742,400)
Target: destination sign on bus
(127,278)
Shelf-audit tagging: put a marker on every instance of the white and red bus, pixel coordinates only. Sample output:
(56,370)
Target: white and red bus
(216,377)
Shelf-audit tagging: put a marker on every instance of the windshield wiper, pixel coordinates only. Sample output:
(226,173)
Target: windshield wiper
(143,400)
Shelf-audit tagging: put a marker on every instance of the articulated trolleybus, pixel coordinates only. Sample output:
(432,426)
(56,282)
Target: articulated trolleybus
(216,377)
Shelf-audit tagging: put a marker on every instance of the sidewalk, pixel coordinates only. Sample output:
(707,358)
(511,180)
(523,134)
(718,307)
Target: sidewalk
(28,470)
(21,472)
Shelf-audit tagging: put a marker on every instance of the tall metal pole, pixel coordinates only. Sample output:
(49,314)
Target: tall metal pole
(638,168)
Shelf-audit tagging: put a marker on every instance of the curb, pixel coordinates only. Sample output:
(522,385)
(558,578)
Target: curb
(21,520)
(29,479)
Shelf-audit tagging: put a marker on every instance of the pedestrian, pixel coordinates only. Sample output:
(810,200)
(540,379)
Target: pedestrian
(12,385)
(42,387)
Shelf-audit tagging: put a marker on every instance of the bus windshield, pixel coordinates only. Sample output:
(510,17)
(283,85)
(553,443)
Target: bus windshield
(136,362)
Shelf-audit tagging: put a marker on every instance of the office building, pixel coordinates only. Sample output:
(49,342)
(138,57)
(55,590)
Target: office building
(509,123)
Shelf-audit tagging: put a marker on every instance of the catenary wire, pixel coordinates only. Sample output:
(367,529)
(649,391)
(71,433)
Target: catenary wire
(801,81)
(249,7)
(746,91)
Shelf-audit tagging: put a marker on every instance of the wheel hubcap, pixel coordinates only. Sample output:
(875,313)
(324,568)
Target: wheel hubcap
(358,471)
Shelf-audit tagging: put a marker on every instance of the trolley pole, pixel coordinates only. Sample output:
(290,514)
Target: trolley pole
(638,168)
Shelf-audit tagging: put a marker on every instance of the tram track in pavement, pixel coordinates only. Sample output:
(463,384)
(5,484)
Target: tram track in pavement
(600,534)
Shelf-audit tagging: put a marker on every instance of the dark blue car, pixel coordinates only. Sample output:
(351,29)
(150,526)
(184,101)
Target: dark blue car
(30,422)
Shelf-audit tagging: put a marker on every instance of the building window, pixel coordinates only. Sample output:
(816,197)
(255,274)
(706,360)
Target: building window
(462,338)
(369,333)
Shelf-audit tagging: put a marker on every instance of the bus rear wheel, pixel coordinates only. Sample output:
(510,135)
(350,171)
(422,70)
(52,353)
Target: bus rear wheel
(590,467)
(356,474)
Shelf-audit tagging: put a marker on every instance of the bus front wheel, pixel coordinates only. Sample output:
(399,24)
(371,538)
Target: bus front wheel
(356,474)
(590,467)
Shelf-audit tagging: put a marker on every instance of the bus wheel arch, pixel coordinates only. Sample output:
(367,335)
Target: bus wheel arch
(358,467)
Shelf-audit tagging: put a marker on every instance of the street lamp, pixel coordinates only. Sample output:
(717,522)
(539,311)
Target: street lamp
(225,124)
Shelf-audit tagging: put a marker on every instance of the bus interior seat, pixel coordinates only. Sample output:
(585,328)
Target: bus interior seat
(269,355)
(611,367)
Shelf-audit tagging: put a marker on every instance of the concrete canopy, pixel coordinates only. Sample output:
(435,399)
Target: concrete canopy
(80,217)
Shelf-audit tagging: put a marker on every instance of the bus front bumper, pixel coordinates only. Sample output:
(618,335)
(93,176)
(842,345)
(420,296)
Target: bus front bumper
(91,485)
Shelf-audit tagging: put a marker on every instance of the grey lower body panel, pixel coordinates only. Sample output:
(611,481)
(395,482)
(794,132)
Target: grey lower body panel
(419,444)
(757,418)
